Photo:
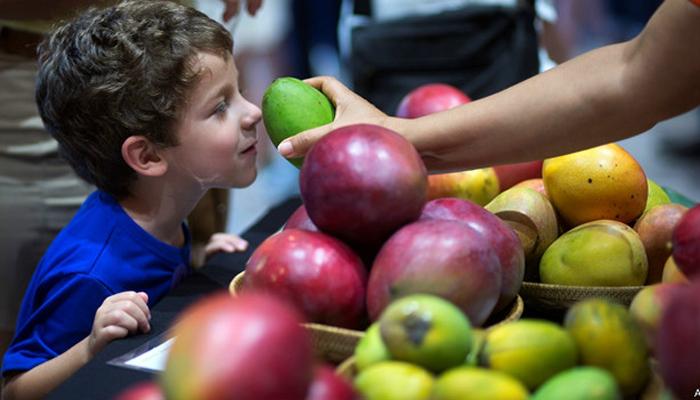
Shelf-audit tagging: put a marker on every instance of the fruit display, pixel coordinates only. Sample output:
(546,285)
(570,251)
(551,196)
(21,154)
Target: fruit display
(603,229)
(598,352)
(365,227)
(418,275)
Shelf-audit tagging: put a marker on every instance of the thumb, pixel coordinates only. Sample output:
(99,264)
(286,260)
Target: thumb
(300,144)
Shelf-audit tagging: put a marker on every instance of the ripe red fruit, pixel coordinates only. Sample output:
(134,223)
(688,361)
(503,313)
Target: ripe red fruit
(327,385)
(677,345)
(430,98)
(248,347)
(362,182)
(686,243)
(316,272)
(445,258)
(147,390)
(496,232)
(300,220)
(511,174)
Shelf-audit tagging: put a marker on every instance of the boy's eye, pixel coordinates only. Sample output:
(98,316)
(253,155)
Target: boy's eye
(221,107)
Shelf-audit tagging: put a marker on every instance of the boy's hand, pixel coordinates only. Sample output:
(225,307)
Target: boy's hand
(350,109)
(119,315)
(224,242)
(232,6)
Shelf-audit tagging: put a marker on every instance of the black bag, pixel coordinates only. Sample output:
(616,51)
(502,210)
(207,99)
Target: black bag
(479,49)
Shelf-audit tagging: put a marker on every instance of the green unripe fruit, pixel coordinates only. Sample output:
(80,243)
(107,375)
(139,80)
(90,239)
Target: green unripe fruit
(290,106)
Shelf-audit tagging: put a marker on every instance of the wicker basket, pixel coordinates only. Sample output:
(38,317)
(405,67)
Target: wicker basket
(336,344)
(560,297)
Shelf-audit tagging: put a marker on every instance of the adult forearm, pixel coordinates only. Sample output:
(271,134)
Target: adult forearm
(38,382)
(543,116)
(602,96)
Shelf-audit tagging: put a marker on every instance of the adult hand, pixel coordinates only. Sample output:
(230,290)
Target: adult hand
(119,315)
(232,6)
(350,109)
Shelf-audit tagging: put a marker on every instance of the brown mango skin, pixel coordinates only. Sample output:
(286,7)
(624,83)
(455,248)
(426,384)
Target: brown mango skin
(533,219)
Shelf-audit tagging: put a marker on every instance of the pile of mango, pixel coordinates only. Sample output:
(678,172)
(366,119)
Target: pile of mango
(593,219)
(423,347)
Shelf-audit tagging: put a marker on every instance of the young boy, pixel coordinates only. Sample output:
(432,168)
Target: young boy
(144,101)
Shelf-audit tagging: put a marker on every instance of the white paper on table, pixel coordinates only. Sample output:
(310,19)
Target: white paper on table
(151,356)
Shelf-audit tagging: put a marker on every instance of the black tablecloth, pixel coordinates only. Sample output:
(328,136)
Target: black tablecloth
(98,380)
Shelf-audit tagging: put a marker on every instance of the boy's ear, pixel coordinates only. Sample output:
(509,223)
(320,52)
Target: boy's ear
(142,156)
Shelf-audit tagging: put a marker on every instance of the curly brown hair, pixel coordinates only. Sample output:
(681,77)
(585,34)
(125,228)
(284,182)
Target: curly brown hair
(121,71)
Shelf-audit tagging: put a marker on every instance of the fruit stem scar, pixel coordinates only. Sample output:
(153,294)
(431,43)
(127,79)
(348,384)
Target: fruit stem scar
(416,327)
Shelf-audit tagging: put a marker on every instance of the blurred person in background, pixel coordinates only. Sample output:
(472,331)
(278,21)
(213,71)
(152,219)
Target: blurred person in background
(390,47)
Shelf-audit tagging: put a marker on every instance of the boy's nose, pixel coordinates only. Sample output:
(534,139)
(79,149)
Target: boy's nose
(252,116)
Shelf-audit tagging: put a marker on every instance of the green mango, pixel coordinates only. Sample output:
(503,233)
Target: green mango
(394,380)
(426,330)
(597,253)
(580,383)
(477,384)
(608,337)
(370,349)
(529,350)
(656,196)
(290,106)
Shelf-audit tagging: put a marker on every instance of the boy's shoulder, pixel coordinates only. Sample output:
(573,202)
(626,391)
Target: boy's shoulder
(102,241)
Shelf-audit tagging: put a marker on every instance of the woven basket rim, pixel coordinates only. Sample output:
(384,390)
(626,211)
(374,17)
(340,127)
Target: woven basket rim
(550,286)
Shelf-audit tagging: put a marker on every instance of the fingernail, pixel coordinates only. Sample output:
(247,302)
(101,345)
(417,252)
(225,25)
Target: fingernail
(242,246)
(285,149)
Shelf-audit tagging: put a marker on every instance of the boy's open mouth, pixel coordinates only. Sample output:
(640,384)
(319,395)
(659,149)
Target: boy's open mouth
(250,148)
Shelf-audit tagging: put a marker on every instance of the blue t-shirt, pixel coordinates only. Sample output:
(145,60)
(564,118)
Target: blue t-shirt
(101,252)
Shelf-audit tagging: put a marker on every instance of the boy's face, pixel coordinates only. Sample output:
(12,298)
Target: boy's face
(217,132)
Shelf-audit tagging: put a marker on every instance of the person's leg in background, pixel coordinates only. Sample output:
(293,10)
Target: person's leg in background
(39,192)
